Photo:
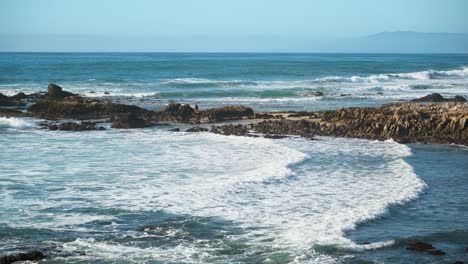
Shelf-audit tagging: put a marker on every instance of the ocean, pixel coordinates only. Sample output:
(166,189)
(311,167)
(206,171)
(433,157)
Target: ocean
(154,196)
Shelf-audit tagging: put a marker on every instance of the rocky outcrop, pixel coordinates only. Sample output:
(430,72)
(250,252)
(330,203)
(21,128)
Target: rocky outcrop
(81,108)
(176,112)
(128,121)
(437,98)
(403,122)
(29,256)
(70,126)
(55,91)
(227,113)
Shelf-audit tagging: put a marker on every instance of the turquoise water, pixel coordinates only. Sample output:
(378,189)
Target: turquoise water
(153,196)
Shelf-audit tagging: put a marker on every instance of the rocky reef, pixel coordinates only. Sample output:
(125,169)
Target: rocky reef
(402,122)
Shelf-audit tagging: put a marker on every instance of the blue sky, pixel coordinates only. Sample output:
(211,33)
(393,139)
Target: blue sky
(248,19)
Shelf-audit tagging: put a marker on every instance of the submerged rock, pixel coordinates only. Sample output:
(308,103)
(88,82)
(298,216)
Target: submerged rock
(29,256)
(420,246)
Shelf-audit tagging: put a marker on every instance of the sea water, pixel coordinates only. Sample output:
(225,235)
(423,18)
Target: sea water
(154,196)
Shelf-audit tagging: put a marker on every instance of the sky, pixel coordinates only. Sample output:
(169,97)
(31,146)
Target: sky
(248,24)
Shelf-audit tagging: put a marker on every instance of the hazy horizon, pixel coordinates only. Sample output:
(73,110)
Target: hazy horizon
(242,26)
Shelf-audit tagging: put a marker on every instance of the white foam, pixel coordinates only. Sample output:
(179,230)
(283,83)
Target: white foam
(15,123)
(265,187)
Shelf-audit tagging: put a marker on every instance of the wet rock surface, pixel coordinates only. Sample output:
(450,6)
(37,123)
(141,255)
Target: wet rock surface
(29,256)
(176,112)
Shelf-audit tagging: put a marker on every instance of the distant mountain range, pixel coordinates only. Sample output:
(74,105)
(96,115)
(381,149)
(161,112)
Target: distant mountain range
(385,42)
(409,42)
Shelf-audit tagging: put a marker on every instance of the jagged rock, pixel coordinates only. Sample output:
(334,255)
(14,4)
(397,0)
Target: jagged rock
(29,256)
(56,91)
(227,113)
(403,122)
(174,129)
(196,129)
(128,121)
(435,97)
(176,112)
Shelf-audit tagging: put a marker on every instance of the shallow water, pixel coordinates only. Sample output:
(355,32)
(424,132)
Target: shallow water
(152,195)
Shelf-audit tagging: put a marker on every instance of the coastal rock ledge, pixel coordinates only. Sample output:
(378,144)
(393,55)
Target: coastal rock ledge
(402,122)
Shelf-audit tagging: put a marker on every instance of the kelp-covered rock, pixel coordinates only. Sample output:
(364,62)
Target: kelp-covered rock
(227,113)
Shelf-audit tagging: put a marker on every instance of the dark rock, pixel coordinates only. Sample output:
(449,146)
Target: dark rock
(437,98)
(420,246)
(5,112)
(29,256)
(106,92)
(458,262)
(176,112)
(227,113)
(459,99)
(196,129)
(436,252)
(70,126)
(174,129)
(82,108)
(275,136)
(56,91)
(128,121)
(19,96)
(264,116)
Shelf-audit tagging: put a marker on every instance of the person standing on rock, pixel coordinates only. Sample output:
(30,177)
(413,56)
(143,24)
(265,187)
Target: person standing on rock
(196,109)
